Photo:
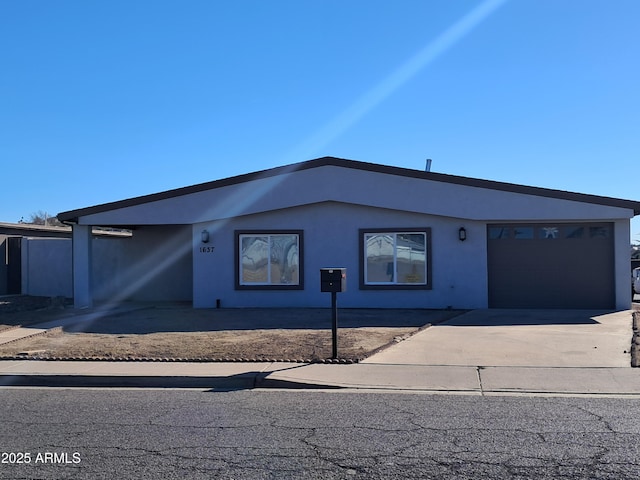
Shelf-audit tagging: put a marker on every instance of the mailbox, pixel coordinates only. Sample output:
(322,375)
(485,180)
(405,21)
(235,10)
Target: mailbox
(333,280)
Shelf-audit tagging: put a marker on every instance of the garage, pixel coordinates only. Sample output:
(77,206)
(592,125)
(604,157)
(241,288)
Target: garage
(551,265)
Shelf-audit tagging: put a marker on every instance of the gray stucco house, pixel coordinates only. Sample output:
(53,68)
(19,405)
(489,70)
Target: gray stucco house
(408,239)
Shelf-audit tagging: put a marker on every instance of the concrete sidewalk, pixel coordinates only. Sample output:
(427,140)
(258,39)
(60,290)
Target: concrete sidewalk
(416,378)
(481,352)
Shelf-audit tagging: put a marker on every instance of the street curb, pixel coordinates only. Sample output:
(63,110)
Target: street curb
(243,381)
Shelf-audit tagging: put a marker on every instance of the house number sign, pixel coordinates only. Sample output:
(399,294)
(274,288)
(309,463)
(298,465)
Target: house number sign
(206,249)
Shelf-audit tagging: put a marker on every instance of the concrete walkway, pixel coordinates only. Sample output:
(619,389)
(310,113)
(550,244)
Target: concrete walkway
(13,334)
(480,353)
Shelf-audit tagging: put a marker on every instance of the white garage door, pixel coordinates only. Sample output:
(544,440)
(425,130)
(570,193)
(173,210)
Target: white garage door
(551,265)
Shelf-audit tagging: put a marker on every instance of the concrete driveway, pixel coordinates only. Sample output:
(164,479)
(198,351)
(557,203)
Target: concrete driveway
(541,338)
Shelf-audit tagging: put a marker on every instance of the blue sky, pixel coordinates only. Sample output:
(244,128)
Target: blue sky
(106,100)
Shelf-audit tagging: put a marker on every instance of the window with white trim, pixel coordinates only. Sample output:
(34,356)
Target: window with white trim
(395,258)
(269,259)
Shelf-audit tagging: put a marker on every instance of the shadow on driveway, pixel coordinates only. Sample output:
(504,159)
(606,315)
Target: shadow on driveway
(498,317)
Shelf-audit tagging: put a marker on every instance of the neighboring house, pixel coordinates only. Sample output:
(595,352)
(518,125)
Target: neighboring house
(408,239)
(37,259)
(13,240)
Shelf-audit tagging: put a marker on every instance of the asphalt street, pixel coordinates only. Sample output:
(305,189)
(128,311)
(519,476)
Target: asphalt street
(50,433)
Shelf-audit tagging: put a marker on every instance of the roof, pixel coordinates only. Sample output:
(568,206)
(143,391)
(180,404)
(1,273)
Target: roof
(31,229)
(34,230)
(73,215)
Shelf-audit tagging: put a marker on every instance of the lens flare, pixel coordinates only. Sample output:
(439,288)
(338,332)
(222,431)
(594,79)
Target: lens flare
(371,99)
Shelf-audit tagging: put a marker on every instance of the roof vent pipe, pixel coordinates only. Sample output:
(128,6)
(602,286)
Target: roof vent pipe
(427,167)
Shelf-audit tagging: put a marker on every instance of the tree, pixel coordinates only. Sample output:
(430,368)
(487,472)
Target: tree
(43,218)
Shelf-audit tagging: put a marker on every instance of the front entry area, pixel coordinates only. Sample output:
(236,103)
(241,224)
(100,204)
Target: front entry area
(551,265)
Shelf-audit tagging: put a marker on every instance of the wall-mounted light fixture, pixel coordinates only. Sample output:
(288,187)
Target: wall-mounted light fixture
(462,234)
(204,236)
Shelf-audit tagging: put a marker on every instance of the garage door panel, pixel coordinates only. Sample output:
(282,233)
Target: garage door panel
(563,269)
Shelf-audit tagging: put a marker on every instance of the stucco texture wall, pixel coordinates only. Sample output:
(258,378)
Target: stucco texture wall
(46,267)
(154,264)
(331,239)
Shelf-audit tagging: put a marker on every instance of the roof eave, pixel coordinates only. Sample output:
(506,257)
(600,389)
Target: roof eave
(73,216)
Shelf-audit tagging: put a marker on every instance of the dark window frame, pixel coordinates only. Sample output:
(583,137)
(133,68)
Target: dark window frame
(428,285)
(236,259)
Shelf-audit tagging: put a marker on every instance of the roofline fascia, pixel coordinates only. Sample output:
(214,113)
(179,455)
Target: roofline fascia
(73,216)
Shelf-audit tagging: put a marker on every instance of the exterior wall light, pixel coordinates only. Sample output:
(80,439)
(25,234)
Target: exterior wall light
(204,236)
(462,234)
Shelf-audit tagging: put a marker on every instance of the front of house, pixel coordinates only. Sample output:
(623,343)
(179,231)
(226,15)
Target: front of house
(407,238)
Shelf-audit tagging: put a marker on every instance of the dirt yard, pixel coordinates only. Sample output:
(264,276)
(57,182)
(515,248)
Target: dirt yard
(152,332)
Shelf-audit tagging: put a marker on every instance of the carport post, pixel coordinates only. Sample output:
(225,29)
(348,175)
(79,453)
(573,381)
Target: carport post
(82,295)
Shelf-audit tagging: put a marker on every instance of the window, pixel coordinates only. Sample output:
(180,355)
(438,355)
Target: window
(269,260)
(600,231)
(499,233)
(395,258)
(523,233)
(574,232)
(550,232)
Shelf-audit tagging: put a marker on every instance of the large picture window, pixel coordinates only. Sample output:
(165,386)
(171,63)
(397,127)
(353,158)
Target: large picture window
(269,259)
(395,258)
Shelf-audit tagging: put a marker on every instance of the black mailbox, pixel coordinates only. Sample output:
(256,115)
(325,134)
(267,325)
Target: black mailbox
(333,279)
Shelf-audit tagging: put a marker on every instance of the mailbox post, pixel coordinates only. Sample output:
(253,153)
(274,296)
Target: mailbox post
(333,280)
